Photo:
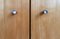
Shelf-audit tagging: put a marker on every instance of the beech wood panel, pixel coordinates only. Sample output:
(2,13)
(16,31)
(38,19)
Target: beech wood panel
(45,26)
(14,26)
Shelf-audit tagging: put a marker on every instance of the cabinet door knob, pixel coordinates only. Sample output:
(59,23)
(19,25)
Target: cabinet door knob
(14,12)
(45,11)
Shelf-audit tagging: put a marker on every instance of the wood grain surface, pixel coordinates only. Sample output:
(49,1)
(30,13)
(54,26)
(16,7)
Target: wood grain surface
(45,26)
(14,26)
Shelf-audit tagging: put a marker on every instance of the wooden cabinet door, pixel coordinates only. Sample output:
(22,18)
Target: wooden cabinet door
(14,26)
(45,26)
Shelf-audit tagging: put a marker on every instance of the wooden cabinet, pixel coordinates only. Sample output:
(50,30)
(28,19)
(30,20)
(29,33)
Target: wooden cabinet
(45,26)
(40,20)
(14,26)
